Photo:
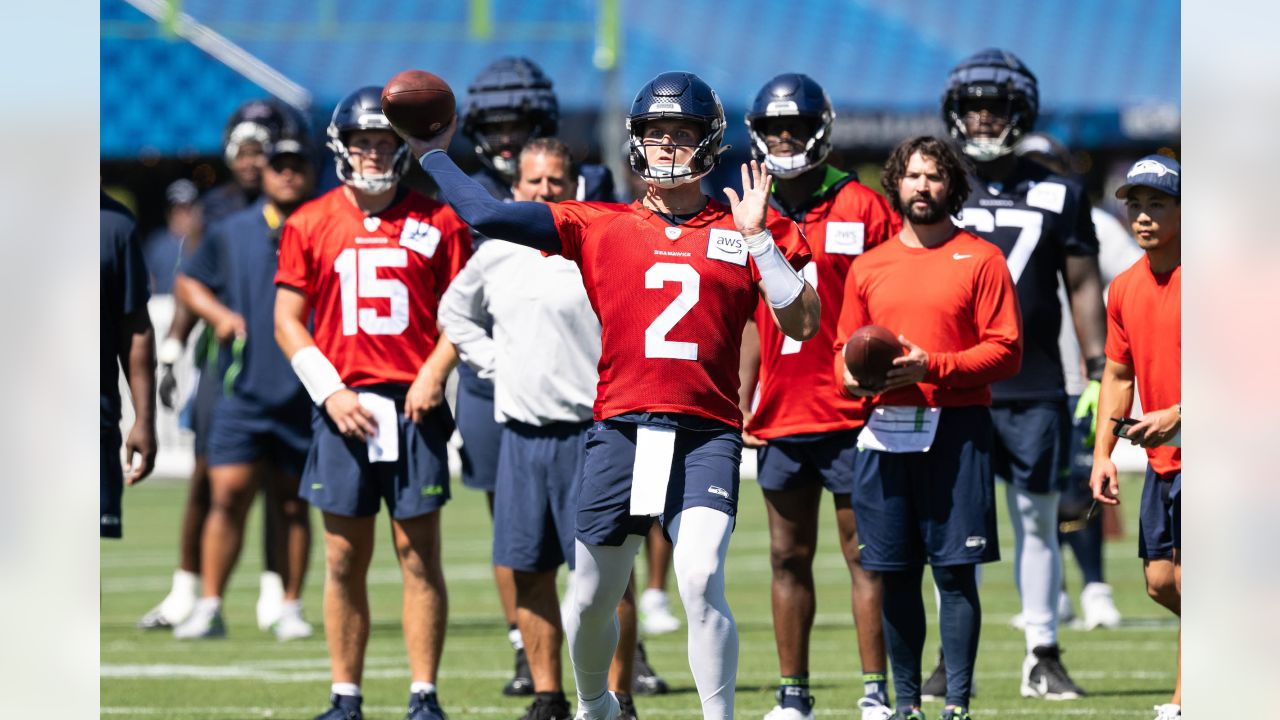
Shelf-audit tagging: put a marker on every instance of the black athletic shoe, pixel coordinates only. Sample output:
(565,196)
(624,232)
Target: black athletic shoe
(549,707)
(646,681)
(342,707)
(627,706)
(522,682)
(1044,676)
(424,706)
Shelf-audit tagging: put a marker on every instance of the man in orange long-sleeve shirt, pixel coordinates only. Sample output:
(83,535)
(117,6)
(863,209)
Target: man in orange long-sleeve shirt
(923,486)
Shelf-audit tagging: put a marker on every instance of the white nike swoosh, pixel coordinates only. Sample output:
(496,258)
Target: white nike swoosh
(958,256)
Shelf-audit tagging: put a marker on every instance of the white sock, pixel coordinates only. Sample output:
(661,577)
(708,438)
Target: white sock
(270,585)
(419,686)
(291,607)
(600,578)
(1037,561)
(185,583)
(348,689)
(701,538)
(653,598)
(209,604)
(515,638)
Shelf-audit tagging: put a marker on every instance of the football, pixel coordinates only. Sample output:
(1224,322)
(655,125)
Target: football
(418,103)
(869,355)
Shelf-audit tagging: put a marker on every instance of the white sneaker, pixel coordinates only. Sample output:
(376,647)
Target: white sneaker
(1168,711)
(612,710)
(1099,607)
(291,625)
(873,709)
(270,599)
(1066,613)
(655,613)
(177,605)
(205,622)
(780,713)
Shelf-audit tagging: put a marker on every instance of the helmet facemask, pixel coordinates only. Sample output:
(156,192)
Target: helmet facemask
(813,153)
(366,183)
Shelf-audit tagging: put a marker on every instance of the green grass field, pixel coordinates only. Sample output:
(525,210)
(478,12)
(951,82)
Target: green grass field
(250,675)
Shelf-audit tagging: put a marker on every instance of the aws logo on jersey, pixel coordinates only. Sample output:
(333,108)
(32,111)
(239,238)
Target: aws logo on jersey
(845,238)
(726,246)
(420,237)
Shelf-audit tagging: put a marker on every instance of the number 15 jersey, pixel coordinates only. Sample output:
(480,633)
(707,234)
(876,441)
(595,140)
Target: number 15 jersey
(672,301)
(373,283)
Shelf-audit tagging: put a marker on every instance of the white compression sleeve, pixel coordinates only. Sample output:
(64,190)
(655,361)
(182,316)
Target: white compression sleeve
(701,538)
(1037,561)
(782,284)
(600,578)
(317,374)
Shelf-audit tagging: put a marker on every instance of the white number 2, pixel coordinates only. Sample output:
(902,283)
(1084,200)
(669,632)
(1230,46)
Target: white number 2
(656,344)
(358,278)
(791,346)
(1028,222)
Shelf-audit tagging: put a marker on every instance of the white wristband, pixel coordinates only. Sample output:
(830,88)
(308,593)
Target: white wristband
(317,374)
(782,284)
(170,351)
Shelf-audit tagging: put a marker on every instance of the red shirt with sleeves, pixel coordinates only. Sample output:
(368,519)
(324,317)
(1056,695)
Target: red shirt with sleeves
(672,302)
(797,395)
(1144,331)
(956,301)
(373,283)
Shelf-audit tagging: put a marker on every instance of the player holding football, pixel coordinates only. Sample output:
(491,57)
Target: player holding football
(1144,345)
(262,427)
(923,484)
(805,427)
(672,284)
(1041,222)
(367,263)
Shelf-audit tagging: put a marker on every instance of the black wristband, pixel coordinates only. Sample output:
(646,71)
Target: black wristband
(1093,367)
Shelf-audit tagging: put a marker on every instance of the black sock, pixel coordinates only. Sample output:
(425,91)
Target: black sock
(793,692)
(959,619)
(1086,545)
(904,629)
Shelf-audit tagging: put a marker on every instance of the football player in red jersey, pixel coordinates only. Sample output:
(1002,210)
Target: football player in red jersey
(673,278)
(368,262)
(806,429)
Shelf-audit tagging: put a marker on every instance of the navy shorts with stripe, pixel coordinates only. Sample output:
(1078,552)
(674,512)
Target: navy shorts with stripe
(1160,519)
(110,484)
(1032,439)
(339,478)
(535,504)
(937,506)
(797,461)
(704,473)
(245,432)
(481,434)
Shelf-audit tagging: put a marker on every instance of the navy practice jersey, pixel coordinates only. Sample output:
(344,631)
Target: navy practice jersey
(237,261)
(123,292)
(1037,218)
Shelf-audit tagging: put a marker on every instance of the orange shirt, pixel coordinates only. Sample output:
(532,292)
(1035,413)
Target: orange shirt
(956,301)
(1144,331)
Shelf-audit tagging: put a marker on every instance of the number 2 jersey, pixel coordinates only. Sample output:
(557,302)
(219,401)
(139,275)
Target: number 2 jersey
(672,301)
(373,283)
(1037,218)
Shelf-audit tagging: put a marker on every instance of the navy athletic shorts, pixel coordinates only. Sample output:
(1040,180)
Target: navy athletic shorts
(535,505)
(244,432)
(800,460)
(704,473)
(1031,444)
(481,434)
(937,506)
(1160,519)
(339,478)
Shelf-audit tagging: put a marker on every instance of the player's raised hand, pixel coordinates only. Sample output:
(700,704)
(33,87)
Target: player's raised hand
(353,419)
(749,210)
(421,147)
(908,369)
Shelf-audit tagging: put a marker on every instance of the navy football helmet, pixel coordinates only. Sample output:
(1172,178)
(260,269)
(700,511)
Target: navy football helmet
(679,96)
(509,90)
(991,74)
(261,121)
(791,95)
(362,110)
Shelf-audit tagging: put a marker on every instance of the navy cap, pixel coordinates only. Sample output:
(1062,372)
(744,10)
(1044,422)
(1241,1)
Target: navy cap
(1156,172)
(288,146)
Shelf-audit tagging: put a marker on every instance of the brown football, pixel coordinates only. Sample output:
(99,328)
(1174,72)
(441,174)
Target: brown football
(869,355)
(418,103)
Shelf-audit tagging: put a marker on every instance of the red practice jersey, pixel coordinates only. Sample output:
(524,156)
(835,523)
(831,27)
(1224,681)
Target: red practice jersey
(672,303)
(373,283)
(956,301)
(1144,331)
(797,392)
